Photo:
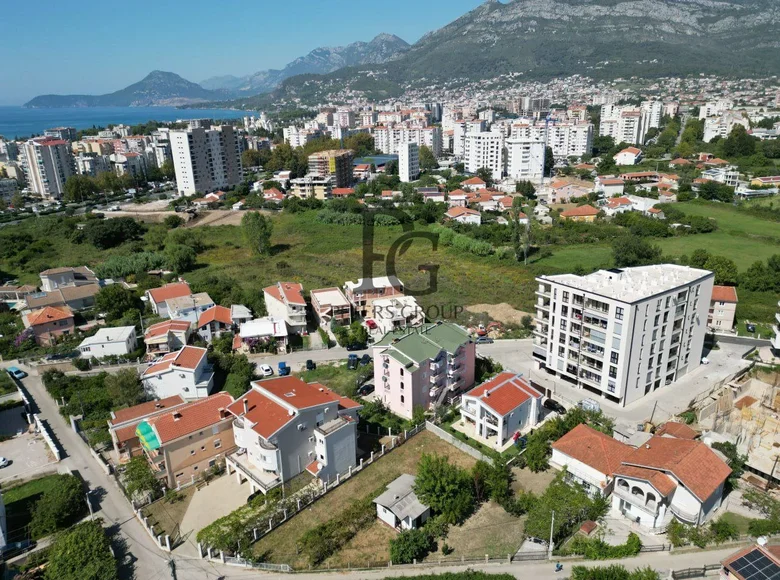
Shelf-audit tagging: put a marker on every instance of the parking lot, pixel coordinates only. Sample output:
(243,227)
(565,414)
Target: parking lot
(27,455)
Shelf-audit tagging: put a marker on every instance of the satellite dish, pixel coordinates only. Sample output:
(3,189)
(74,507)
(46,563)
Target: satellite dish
(761,541)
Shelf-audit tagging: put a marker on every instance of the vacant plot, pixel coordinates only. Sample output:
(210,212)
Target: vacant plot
(490,530)
(166,516)
(281,545)
(335,376)
(370,546)
(502,312)
(739,521)
(732,221)
(527,480)
(20,502)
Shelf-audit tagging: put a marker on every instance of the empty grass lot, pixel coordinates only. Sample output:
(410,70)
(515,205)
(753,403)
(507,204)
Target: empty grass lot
(280,545)
(19,504)
(166,516)
(335,376)
(739,521)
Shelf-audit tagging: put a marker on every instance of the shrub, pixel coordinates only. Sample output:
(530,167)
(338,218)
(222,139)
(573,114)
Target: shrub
(410,545)
(598,549)
(61,505)
(722,531)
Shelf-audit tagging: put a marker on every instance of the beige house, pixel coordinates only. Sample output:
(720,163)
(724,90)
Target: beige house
(186,440)
(124,422)
(331,307)
(50,323)
(723,308)
(362,293)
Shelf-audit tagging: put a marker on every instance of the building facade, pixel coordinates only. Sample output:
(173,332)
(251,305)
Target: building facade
(723,308)
(408,162)
(622,333)
(525,159)
(335,163)
(206,159)
(47,165)
(484,149)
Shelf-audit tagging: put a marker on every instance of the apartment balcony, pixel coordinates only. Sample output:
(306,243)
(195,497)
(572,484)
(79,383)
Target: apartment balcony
(577,301)
(437,367)
(637,501)
(592,349)
(596,366)
(453,370)
(591,337)
(590,378)
(542,316)
(685,516)
(543,303)
(576,314)
(595,322)
(540,352)
(679,311)
(543,291)
(595,306)
(265,480)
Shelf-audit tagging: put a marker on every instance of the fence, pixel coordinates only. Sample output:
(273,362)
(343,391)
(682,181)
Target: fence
(43,428)
(290,506)
(465,447)
(163,541)
(694,572)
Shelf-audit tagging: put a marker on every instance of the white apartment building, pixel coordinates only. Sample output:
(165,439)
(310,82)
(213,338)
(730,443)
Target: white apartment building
(652,111)
(206,159)
(715,108)
(565,138)
(389,139)
(185,372)
(484,150)
(459,131)
(92,164)
(47,165)
(408,162)
(525,159)
(728,175)
(285,301)
(722,125)
(622,333)
(623,124)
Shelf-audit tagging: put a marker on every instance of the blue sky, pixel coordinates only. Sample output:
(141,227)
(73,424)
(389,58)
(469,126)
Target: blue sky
(88,47)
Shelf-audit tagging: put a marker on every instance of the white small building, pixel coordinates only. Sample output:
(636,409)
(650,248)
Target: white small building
(398,506)
(396,312)
(628,156)
(285,301)
(240,314)
(499,408)
(158,296)
(117,341)
(264,330)
(185,372)
(464,215)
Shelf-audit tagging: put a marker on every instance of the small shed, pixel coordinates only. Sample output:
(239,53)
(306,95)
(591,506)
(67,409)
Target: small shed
(399,507)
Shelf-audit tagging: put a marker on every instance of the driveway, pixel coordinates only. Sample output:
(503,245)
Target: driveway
(28,455)
(211,502)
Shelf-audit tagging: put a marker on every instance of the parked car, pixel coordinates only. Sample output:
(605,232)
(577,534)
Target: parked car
(16,372)
(284,370)
(365,390)
(3,462)
(310,365)
(266,370)
(365,360)
(356,346)
(371,324)
(16,548)
(352,362)
(484,340)
(554,406)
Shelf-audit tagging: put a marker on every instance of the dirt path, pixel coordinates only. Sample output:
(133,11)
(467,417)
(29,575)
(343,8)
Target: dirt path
(502,312)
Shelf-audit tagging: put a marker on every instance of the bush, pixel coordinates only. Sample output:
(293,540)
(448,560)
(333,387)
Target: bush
(722,531)
(410,545)
(82,553)
(613,572)
(598,549)
(61,505)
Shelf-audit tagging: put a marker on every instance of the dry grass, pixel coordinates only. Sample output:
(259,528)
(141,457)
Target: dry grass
(502,312)
(167,517)
(527,480)
(281,545)
(370,546)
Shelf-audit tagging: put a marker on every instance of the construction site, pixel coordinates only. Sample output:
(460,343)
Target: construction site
(746,412)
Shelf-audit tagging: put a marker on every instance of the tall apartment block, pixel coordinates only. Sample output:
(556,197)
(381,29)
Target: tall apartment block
(408,162)
(485,149)
(47,165)
(206,159)
(622,333)
(336,163)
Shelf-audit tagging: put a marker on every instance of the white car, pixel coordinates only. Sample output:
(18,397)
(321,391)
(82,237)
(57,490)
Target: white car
(3,462)
(266,371)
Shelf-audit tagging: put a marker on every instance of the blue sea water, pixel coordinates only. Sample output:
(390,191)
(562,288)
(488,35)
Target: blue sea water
(18,122)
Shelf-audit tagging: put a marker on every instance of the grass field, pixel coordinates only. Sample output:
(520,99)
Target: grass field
(335,376)
(19,504)
(741,522)
(280,545)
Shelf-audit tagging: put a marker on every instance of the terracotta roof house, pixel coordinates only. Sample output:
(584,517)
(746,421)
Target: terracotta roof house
(284,426)
(583,213)
(166,336)
(285,301)
(124,422)
(679,430)
(498,409)
(185,372)
(628,156)
(183,442)
(679,162)
(463,215)
(474,183)
(723,308)
(49,323)
(755,562)
(213,322)
(158,296)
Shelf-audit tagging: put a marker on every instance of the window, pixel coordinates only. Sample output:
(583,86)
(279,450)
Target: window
(402,372)
(217,444)
(612,372)
(402,386)
(192,452)
(613,358)
(212,463)
(617,328)
(195,468)
(619,313)
(611,386)
(668,300)
(402,398)
(657,319)
(566,296)
(644,325)
(203,448)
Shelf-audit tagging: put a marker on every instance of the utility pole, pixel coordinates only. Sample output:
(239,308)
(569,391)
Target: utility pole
(552,525)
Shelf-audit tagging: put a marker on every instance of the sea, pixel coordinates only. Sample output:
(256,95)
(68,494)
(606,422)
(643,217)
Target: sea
(19,122)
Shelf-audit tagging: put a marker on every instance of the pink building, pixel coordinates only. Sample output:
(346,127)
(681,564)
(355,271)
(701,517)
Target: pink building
(49,323)
(420,367)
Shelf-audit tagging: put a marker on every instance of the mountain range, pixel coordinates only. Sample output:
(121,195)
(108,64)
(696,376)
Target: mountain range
(158,88)
(536,39)
(382,48)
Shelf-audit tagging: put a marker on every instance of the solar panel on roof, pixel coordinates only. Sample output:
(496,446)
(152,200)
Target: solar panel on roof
(756,566)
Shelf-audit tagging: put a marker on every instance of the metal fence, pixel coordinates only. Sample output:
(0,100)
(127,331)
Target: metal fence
(694,572)
(452,440)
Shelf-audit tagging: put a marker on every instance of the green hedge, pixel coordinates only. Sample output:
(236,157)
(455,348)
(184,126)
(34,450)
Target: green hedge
(598,549)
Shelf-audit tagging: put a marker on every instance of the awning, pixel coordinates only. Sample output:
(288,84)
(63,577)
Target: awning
(147,436)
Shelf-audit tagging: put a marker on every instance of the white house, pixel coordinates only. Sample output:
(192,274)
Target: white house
(499,408)
(213,322)
(264,330)
(590,458)
(284,426)
(284,301)
(628,156)
(240,314)
(617,205)
(166,336)
(609,186)
(464,215)
(117,341)
(190,307)
(396,312)
(185,372)
(398,506)
(158,296)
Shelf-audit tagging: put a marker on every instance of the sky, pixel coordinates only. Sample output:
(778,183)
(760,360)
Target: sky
(88,47)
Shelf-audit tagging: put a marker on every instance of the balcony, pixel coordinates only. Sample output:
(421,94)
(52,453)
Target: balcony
(543,291)
(683,515)
(637,501)
(595,322)
(591,364)
(590,378)
(596,306)
(265,480)
(540,352)
(437,366)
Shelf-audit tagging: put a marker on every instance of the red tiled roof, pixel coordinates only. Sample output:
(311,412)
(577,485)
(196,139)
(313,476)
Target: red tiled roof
(724,294)
(49,314)
(693,463)
(593,448)
(217,313)
(584,210)
(660,481)
(301,395)
(186,358)
(473,181)
(293,293)
(267,415)
(176,290)
(679,430)
(165,327)
(618,201)
(632,150)
(612,181)
(505,392)
(342,191)
(679,161)
(191,417)
(144,409)
(455,212)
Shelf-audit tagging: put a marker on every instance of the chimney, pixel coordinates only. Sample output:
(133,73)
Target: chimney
(246,406)
(176,416)
(222,413)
